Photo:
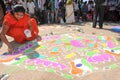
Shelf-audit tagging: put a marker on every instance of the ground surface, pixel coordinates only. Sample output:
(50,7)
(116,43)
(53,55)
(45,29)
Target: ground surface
(66,52)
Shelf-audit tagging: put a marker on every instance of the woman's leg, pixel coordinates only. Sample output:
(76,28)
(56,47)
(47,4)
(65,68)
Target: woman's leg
(18,35)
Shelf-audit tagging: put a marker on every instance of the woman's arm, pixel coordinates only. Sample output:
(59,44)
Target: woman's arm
(3,31)
(30,25)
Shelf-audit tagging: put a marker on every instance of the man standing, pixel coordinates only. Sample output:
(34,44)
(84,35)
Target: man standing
(99,12)
(52,10)
(56,10)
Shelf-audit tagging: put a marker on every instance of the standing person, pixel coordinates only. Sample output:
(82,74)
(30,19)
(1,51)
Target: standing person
(84,11)
(91,8)
(56,9)
(76,11)
(24,4)
(31,8)
(42,11)
(99,12)
(48,10)
(19,25)
(37,10)
(70,18)
(52,10)
(63,10)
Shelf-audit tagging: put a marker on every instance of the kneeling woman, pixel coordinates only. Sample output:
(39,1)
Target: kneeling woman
(18,25)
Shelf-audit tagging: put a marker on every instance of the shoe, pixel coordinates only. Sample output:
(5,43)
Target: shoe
(100,28)
(93,27)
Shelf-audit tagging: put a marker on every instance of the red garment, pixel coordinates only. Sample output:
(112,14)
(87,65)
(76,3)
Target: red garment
(17,27)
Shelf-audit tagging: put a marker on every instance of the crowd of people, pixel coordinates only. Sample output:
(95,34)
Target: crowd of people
(61,11)
(52,11)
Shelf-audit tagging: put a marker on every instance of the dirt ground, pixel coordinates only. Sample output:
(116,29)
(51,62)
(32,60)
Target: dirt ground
(66,52)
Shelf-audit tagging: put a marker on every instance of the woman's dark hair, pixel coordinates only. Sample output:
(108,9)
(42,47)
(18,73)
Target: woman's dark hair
(18,8)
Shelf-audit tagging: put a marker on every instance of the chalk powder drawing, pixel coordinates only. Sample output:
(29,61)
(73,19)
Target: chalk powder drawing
(113,51)
(100,58)
(95,49)
(80,66)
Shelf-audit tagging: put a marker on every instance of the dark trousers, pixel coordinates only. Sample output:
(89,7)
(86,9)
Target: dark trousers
(40,16)
(99,13)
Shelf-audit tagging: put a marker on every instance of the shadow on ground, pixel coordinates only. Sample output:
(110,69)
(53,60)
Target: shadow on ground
(20,48)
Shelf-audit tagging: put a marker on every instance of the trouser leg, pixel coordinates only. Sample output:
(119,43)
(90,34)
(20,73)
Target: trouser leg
(101,16)
(95,16)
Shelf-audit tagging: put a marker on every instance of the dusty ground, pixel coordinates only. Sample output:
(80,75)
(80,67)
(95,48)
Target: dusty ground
(65,54)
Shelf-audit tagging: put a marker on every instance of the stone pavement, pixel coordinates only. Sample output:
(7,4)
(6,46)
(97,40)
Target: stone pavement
(66,52)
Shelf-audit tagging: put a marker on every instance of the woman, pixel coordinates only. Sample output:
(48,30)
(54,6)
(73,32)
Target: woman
(15,24)
(70,18)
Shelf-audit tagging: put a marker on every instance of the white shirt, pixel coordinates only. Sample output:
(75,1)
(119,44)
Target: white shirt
(41,4)
(31,6)
(24,4)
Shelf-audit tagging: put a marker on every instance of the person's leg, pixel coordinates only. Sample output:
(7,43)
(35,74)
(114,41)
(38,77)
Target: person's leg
(44,16)
(52,16)
(64,14)
(38,16)
(56,15)
(95,16)
(101,16)
(48,17)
